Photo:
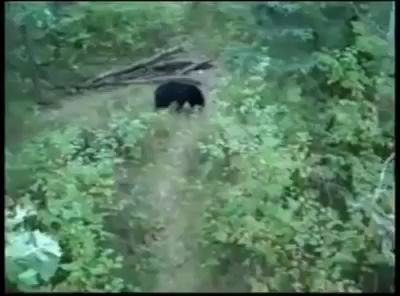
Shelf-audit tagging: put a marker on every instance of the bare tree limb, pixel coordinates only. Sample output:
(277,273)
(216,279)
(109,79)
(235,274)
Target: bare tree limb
(171,65)
(156,69)
(201,65)
(391,33)
(143,81)
(32,62)
(134,66)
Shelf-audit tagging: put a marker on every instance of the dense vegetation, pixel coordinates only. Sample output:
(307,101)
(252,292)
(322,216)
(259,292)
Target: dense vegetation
(286,183)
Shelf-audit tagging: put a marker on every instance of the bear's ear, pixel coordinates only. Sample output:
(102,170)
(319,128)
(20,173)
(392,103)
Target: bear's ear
(174,105)
(186,105)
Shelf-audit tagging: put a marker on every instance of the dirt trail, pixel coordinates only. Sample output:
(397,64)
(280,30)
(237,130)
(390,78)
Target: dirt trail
(179,271)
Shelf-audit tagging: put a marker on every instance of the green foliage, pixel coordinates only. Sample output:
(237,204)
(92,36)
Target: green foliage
(123,26)
(65,36)
(31,257)
(275,230)
(73,192)
(285,184)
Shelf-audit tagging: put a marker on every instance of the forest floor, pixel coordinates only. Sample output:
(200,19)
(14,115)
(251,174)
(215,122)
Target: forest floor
(180,268)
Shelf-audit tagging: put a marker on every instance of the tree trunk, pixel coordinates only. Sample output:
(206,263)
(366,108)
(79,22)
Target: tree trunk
(390,34)
(33,68)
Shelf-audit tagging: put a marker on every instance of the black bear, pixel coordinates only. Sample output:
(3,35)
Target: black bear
(179,93)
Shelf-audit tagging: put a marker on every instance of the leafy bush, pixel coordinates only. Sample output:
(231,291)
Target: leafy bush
(31,256)
(69,193)
(283,234)
(65,35)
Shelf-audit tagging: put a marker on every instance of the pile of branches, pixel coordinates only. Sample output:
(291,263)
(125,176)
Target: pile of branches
(163,66)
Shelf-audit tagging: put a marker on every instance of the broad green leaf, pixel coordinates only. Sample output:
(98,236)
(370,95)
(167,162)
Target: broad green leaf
(28,278)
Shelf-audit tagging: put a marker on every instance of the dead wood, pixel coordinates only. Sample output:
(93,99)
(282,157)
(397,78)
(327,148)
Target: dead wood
(135,66)
(204,65)
(172,65)
(162,67)
(155,80)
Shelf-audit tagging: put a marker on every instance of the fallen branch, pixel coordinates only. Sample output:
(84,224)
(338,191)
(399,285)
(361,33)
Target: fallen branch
(134,66)
(137,74)
(178,78)
(168,67)
(162,67)
(171,65)
(155,80)
(197,66)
